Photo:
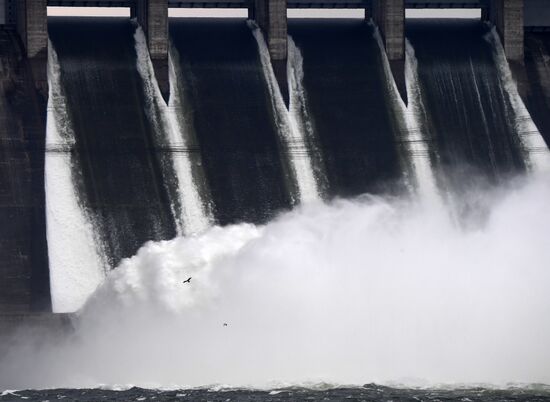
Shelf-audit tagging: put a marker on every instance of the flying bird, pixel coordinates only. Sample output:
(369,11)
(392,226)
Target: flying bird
(188,280)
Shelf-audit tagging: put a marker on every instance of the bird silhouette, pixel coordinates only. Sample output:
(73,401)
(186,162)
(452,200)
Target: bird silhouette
(225,324)
(188,280)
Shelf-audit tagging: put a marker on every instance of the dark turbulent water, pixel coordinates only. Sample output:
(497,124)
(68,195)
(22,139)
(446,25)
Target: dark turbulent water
(114,155)
(469,117)
(232,118)
(345,85)
(369,392)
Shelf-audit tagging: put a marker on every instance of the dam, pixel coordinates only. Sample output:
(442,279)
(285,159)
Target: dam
(188,201)
(137,149)
(109,139)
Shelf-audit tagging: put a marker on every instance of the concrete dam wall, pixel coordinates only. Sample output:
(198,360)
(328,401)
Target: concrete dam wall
(24,283)
(123,165)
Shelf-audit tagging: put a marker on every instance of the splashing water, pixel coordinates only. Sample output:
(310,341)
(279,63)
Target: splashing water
(364,290)
(193,216)
(292,132)
(76,266)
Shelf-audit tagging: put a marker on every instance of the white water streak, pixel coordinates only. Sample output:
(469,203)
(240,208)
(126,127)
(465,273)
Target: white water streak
(417,145)
(76,266)
(538,155)
(193,217)
(291,127)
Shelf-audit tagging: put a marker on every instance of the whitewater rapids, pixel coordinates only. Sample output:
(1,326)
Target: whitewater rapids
(365,290)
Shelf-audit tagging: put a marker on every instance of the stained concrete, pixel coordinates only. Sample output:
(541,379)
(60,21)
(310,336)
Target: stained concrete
(32,26)
(271,16)
(389,16)
(507,16)
(24,277)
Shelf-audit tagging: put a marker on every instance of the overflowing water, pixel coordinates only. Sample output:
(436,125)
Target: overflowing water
(417,146)
(75,254)
(291,124)
(191,214)
(537,153)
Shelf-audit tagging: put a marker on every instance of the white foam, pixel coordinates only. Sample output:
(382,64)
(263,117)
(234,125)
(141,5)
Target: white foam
(193,216)
(76,265)
(361,291)
(291,127)
(536,149)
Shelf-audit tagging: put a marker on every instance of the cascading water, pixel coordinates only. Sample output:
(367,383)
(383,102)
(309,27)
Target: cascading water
(467,110)
(372,289)
(76,265)
(190,213)
(300,117)
(417,146)
(349,107)
(227,110)
(536,151)
(291,130)
(123,183)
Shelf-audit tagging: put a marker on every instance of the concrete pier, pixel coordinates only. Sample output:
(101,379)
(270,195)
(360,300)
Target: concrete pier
(507,16)
(271,17)
(389,16)
(32,26)
(152,16)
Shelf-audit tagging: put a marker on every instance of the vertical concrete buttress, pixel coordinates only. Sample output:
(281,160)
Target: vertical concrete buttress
(389,16)
(271,17)
(32,26)
(507,16)
(152,16)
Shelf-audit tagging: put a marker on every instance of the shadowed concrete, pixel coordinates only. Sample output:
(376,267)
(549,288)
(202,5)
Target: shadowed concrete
(24,277)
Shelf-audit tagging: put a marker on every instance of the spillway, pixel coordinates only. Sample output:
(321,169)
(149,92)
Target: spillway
(410,118)
(179,167)
(535,150)
(291,131)
(469,115)
(352,116)
(115,141)
(301,118)
(534,83)
(232,116)
(76,260)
